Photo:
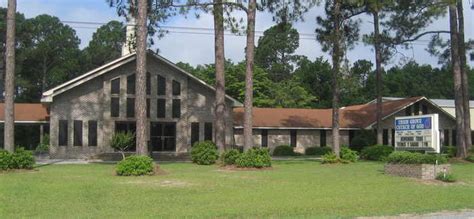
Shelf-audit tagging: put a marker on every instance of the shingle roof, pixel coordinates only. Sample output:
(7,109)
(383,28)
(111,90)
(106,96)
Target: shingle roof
(27,112)
(355,116)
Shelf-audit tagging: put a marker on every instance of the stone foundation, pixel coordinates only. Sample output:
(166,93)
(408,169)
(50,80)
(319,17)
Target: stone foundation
(420,171)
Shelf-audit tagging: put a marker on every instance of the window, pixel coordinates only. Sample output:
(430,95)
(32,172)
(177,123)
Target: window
(454,137)
(194,132)
(408,111)
(385,137)
(161,108)
(393,137)
(148,83)
(114,107)
(176,108)
(264,138)
(446,137)
(208,131)
(176,88)
(115,86)
(131,84)
(293,138)
(148,108)
(92,133)
(351,136)
(322,138)
(126,127)
(161,85)
(163,136)
(77,133)
(416,108)
(62,136)
(424,109)
(130,107)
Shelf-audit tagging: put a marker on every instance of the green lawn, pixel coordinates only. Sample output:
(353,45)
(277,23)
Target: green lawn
(292,188)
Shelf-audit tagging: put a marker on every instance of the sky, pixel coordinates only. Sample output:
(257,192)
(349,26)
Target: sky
(180,45)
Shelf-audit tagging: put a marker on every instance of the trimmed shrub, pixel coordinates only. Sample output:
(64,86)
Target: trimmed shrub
(229,157)
(317,151)
(121,141)
(43,146)
(446,177)
(376,152)
(449,150)
(406,157)
(254,157)
(22,159)
(330,158)
(5,160)
(348,155)
(363,138)
(135,166)
(283,150)
(204,153)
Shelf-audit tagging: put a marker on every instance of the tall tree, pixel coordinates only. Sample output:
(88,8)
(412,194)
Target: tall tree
(220,105)
(249,57)
(9,128)
(106,45)
(375,8)
(141,69)
(275,51)
(336,60)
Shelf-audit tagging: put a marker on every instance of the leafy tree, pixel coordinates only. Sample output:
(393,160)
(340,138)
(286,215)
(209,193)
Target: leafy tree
(51,56)
(122,141)
(315,77)
(106,45)
(275,51)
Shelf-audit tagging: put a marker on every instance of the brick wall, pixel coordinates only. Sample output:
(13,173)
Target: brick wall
(420,171)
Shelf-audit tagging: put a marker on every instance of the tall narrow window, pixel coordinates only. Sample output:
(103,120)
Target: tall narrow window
(63,133)
(454,137)
(424,109)
(385,137)
(408,111)
(293,138)
(393,137)
(176,108)
(114,107)
(131,84)
(161,108)
(161,85)
(351,136)
(176,88)
(115,86)
(208,131)
(77,133)
(92,133)
(194,132)
(148,83)
(130,107)
(416,108)
(264,138)
(148,108)
(322,138)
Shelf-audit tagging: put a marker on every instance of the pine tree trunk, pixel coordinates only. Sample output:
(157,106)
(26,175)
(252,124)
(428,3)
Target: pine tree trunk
(140,89)
(378,70)
(220,77)
(249,56)
(336,56)
(456,68)
(464,76)
(9,128)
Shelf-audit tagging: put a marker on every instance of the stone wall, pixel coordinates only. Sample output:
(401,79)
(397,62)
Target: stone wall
(420,171)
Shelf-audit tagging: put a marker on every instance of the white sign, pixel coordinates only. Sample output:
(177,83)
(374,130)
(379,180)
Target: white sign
(417,133)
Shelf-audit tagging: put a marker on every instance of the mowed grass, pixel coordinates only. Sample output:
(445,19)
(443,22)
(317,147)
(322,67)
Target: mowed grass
(290,189)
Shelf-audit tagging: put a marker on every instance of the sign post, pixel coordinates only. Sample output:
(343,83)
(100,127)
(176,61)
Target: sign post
(417,133)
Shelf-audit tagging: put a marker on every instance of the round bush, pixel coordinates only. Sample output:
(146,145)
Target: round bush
(329,158)
(5,160)
(135,165)
(406,157)
(229,157)
(348,155)
(376,152)
(363,138)
(22,159)
(254,157)
(204,153)
(283,150)
(319,151)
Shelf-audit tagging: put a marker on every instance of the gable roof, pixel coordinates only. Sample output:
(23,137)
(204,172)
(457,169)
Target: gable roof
(351,117)
(48,95)
(27,113)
